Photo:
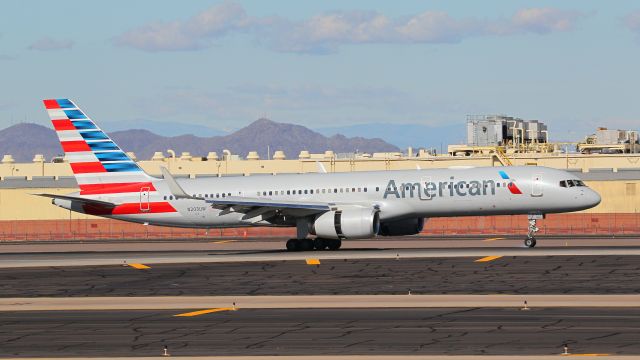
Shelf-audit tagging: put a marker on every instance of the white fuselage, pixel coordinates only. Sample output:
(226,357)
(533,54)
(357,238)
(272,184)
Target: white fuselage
(397,195)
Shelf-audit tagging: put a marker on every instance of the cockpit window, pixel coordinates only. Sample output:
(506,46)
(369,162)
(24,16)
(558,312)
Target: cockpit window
(571,183)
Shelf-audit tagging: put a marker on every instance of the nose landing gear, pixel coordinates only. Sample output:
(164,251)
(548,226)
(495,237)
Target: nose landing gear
(530,241)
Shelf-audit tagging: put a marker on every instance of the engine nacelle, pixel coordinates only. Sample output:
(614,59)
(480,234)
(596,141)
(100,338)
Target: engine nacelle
(402,227)
(348,223)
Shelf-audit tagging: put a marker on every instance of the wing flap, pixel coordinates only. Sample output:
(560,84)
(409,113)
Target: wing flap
(254,207)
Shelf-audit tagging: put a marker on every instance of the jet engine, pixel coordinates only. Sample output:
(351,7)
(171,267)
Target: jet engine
(347,223)
(402,227)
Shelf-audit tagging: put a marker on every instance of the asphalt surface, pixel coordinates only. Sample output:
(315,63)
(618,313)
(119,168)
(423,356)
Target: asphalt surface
(615,274)
(16,260)
(322,331)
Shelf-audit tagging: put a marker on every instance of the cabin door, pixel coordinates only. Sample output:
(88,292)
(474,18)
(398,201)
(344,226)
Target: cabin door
(536,185)
(144,199)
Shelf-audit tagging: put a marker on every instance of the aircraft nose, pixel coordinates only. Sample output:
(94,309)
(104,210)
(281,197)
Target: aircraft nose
(591,198)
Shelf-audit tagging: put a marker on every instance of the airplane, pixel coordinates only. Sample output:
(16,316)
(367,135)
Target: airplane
(331,207)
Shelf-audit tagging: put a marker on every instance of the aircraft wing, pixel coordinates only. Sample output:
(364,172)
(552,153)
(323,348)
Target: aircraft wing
(251,206)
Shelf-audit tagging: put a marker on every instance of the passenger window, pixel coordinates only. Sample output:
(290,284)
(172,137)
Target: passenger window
(353,189)
(377,188)
(365,189)
(270,193)
(335,191)
(288,192)
(311,191)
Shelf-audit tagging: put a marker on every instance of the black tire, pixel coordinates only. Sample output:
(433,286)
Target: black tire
(530,242)
(319,244)
(306,244)
(293,245)
(334,244)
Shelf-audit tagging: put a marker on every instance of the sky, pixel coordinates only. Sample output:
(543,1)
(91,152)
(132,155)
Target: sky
(572,64)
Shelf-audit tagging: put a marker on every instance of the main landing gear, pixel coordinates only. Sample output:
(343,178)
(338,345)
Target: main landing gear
(311,244)
(530,241)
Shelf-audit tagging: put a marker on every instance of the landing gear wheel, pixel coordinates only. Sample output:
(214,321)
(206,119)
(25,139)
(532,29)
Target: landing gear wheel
(319,244)
(533,229)
(530,242)
(334,244)
(306,244)
(293,245)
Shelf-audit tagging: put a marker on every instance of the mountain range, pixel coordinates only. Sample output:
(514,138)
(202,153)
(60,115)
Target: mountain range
(26,139)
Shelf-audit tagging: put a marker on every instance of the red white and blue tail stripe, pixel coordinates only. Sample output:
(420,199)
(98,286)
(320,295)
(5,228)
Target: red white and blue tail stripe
(99,165)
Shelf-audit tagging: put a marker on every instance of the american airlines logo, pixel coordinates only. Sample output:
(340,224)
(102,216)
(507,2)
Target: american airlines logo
(449,188)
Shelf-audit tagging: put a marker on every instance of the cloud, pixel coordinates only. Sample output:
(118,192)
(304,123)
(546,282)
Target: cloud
(192,34)
(632,21)
(544,20)
(49,44)
(325,33)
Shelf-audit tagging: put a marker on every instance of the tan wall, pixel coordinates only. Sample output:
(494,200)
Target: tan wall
(20,204)
(618,196)
(193,167)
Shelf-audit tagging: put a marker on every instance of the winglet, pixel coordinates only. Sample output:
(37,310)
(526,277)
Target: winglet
(321,168)
(176,190)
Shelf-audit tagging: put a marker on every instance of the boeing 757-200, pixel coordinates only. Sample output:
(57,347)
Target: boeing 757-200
(329,206)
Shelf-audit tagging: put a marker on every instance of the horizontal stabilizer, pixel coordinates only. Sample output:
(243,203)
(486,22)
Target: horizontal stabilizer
(79,199)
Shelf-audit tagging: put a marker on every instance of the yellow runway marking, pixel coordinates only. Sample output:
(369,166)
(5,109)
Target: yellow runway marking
(224,241)
(207,311)
(494,239)
(488,258)
(140,266)
(313,261)
(585,354)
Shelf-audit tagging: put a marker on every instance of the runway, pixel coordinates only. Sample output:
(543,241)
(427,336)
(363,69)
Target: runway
(56,259)
(462,301)
(560,274)
(443,331)
(278,244)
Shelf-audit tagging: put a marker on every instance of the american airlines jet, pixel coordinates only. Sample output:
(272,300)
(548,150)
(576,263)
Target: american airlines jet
(329,206)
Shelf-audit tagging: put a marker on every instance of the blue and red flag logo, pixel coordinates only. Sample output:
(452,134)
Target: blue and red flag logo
(510,185)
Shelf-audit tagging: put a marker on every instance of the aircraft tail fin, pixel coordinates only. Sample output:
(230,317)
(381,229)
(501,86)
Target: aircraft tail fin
(98,164)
